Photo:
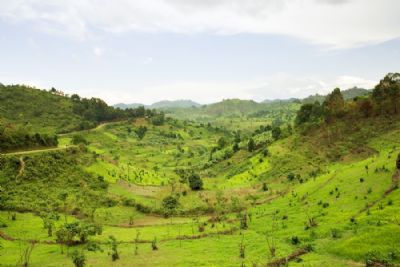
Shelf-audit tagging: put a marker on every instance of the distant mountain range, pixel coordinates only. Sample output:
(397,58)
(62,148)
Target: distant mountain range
(164,104)
(237,105)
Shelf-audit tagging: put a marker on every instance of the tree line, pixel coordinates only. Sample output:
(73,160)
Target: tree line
(383,101)
(17,137)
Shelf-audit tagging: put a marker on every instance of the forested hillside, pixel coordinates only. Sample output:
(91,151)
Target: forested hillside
(31,117)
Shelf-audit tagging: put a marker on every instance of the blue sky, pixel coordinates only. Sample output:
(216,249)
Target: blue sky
(145,51)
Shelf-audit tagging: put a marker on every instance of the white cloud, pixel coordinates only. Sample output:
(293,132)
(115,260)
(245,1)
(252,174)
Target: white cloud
(148,60)
(97,51)
(336,23)
(283,85)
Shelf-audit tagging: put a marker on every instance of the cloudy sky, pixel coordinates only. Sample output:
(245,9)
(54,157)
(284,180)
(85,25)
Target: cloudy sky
(205,50)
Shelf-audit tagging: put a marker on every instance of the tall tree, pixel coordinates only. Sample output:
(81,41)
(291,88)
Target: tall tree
(386,94)
(334,104)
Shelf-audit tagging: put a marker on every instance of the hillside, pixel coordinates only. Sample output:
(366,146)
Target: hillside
(310,184)
(38,110)
(31,117)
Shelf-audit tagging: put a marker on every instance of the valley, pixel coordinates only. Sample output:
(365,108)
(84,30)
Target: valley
(235,183)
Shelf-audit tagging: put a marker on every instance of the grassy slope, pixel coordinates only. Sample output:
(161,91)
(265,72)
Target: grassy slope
(38,110)
(332,198)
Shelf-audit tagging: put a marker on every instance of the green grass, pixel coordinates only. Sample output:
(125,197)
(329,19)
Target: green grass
(353,216)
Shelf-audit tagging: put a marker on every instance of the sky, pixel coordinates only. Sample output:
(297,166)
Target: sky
(143,51)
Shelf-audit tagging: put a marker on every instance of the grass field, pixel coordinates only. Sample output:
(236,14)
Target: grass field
(339,217)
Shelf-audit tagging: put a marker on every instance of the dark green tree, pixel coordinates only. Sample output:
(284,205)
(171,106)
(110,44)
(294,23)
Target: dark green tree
(195,182)
(251,145)
(170,205)
(112,241)
(334,104)
(386,94)
(276,132)
(221,142)
(78,258)
(235,147)
(141,131)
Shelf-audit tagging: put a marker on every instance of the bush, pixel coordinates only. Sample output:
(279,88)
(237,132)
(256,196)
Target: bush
(78,139)
(195,182)
(295,240)
(169,205)
(78,258)
(290,177)
(335,233)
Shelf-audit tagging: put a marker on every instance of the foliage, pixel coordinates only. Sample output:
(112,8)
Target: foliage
(170,205)
(195,182)
(17,137)
(42,111)
(78,258)
(112,241)
(44,176)
(251,145)
(68,232)
(79,139)
(386,95)
(141,131)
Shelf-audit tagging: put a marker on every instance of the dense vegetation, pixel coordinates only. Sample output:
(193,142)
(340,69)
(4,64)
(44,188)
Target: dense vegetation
(31,117)
(289,183)
(18,137)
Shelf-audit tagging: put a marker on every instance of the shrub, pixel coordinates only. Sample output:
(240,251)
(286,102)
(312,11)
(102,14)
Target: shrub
(78,258)
(295,240)
(169,205)
(290,177)
(79,139)
(335,233)
(154,244)
(264,187)
(195,182)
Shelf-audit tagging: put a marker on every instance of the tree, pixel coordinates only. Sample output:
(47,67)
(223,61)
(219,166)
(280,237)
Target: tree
(221,142)
(276,132)
(25,253)
(290,177)
(334,104)
(112,241)
(75,97)
(386,94)
(158,119)
(237,138)
(195,182)
(79,139)
(365,106)
(169,205)
(251,145)
(154,244)
(309,113)
(235,147)
(78,258)
(141,131)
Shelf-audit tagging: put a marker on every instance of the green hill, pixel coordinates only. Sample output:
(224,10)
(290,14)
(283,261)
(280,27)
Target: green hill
(319,189)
